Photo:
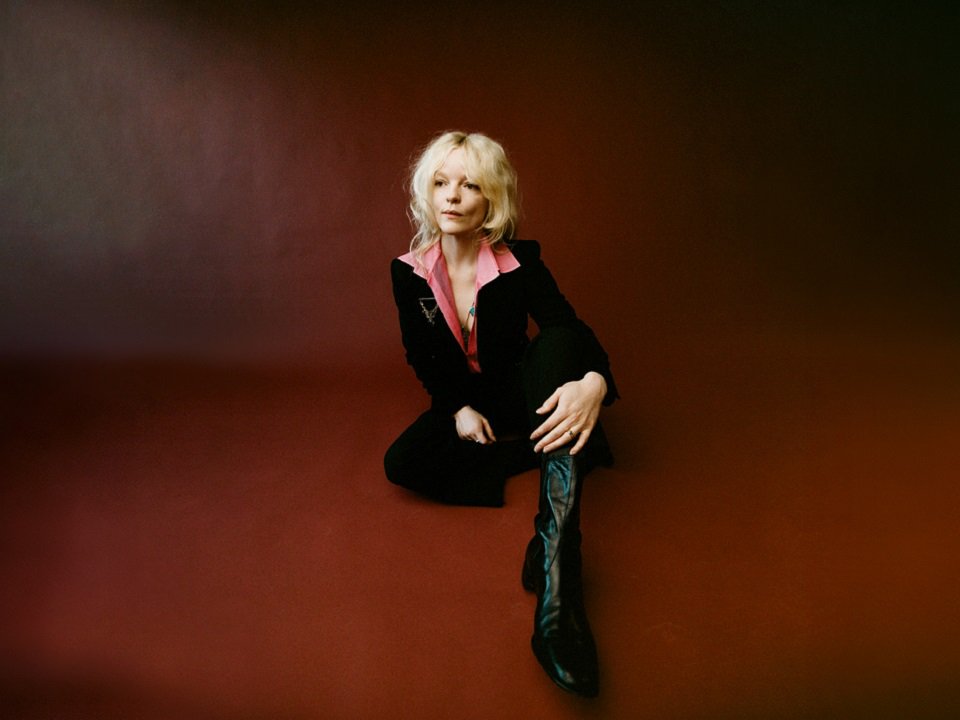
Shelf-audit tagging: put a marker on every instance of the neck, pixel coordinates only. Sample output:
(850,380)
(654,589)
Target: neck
(459,250)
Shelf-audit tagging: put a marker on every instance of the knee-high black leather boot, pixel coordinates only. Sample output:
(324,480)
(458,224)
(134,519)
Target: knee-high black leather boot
(562,641)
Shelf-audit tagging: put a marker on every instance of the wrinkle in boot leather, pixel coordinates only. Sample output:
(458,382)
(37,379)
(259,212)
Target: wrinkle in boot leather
(562,641)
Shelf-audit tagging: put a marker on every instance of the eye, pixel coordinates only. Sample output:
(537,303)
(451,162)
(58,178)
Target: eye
(438,182)
(472,186)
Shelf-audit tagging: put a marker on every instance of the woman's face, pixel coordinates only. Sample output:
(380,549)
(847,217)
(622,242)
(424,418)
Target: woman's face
(458,205)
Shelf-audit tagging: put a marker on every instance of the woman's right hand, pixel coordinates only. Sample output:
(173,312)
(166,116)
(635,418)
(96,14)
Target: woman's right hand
(471,425)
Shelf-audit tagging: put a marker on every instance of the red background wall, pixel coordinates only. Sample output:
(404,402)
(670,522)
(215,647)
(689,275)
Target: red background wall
(754,205)
(227,179)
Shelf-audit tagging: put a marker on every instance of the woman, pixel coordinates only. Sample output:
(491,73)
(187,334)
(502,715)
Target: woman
(500,404)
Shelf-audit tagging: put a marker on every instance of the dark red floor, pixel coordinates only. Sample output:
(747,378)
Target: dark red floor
(778,539)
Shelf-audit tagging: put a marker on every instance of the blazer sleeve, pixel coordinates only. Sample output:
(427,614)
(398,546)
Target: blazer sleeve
(444,375)
(549,308)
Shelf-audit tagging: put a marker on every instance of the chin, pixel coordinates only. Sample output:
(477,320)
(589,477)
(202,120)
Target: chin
(457,230)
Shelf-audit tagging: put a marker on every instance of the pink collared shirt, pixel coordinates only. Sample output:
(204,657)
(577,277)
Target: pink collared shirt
(434,271)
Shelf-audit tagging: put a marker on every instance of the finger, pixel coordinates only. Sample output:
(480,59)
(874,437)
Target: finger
(488,429)
(559,436)
(546,426)
(560,442)
(581,441)
(549,403)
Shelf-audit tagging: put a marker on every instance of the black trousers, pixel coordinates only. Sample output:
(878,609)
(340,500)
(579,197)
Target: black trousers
(429,458)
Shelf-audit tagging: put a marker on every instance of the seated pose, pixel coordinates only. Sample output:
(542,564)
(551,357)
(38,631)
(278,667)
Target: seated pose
(500,403)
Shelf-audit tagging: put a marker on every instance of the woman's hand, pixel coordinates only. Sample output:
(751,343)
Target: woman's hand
(471,425)
(575,406)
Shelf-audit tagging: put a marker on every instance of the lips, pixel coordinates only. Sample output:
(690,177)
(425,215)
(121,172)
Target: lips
(451,213)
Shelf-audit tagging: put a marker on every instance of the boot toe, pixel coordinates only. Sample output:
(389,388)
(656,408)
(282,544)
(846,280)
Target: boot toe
(571,666)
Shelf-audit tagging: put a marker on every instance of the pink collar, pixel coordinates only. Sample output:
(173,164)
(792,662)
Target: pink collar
(489,263)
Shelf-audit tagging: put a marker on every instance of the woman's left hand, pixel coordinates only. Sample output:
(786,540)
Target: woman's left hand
(575,407)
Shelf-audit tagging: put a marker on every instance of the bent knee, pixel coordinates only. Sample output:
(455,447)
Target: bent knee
(393,465)
(403,467)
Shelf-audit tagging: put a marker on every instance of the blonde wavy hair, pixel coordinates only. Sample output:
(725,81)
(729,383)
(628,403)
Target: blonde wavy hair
(487,165)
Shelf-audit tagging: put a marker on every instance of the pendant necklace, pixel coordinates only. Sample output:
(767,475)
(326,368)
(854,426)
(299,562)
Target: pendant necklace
(464,331)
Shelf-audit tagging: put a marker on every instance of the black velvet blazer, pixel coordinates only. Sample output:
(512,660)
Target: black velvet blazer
(503,308)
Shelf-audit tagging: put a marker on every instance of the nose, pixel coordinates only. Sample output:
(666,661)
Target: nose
(453,193)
